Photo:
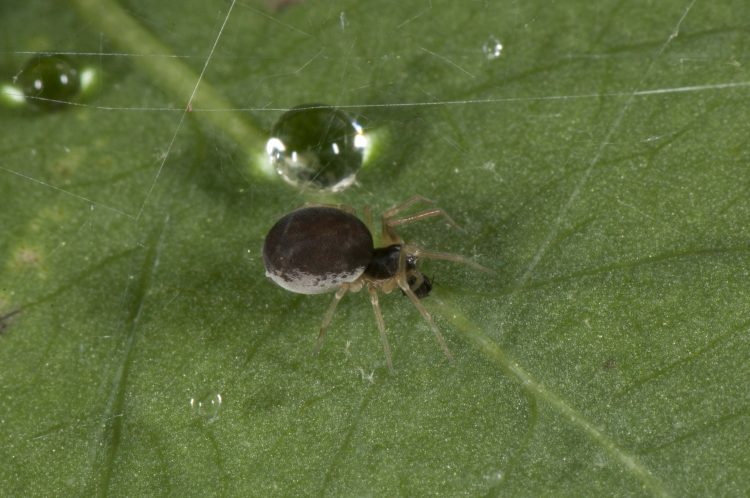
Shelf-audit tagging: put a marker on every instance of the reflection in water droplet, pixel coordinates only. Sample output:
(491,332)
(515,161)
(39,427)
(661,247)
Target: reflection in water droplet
(206,406)
(49,80)
(11,96)
(492,48)
(317,146)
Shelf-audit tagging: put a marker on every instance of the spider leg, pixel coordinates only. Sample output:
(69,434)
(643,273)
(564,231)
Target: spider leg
(392,212)
(445,256)
(381,325)
(329,315)
(389,220)
(426,315)
(427,213)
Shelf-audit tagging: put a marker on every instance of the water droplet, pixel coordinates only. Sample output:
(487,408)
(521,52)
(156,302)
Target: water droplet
(495,476)
(48,81)
(207,406)
(317,146)
(492,48)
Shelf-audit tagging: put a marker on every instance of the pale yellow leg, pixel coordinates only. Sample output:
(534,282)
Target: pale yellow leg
(329,315)
(390,213)
(381,326)
(426,315)
(445,256)
(389,221)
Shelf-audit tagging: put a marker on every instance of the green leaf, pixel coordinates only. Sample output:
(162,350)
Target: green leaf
(599,165)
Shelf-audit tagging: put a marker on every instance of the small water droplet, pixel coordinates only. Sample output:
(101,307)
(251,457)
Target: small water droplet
(48,81)
(492,48)
(207,406)
(495,476)
(317,146)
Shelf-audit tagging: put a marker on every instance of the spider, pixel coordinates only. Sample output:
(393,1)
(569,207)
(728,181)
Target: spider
(318,249)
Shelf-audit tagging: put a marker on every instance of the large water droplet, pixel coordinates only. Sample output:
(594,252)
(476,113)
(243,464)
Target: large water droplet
(317,146)
(492,48)
(48,81)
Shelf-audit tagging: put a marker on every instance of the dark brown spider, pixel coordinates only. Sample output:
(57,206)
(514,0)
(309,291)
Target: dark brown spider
(320,249)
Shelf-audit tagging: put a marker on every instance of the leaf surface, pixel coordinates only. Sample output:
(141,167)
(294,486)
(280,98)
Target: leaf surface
(599,165)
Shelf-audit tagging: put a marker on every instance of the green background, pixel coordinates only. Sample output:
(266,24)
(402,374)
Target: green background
(599,165)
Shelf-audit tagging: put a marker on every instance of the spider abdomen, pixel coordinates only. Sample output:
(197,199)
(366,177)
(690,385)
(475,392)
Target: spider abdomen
(317,249)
